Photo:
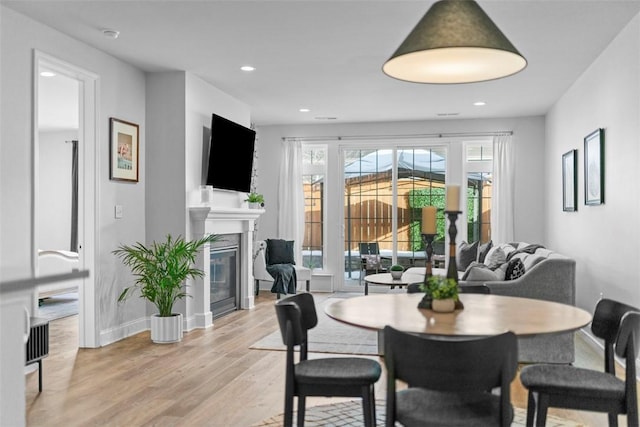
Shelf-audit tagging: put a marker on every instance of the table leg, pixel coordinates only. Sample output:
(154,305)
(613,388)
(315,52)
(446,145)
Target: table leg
(366,287)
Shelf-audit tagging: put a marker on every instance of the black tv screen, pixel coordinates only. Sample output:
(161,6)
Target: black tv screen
(230,155)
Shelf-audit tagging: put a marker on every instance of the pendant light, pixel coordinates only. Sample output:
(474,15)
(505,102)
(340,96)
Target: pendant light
(454,42)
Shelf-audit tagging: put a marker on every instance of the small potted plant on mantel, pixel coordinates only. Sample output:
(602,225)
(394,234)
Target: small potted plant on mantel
(256,200)
(441,292)
(160,270)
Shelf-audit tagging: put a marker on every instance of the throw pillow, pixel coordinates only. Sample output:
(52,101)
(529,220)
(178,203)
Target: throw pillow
(515,269)
(478,272)
(279,251)
(483,250)
(495,258)
(467,254)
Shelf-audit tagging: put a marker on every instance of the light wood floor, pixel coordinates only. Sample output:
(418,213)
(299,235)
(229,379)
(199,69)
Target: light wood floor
(211,378)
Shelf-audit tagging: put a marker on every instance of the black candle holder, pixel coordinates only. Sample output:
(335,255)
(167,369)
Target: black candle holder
(452,268)
(428,240)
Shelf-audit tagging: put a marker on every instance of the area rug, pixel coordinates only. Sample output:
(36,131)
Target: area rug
(349,414)
(329,336)
(58,306)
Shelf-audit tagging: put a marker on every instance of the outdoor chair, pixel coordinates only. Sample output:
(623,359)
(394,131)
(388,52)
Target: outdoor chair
(571,387)
(370,259)
(461,382)
(329,377)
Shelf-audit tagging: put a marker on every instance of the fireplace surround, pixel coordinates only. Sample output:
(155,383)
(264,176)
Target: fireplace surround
(221,221)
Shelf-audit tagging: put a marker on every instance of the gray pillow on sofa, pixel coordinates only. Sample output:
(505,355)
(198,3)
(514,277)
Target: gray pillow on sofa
(483,250)
(477,271)
(495,258)
(466,255)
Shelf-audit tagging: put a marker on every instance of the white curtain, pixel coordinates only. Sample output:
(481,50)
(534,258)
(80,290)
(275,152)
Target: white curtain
(502,212)
(291,197)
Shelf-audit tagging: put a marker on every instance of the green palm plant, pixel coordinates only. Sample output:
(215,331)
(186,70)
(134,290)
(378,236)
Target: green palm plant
(161,268)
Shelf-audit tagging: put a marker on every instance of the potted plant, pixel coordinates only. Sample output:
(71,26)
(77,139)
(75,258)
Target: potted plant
(396,271)
(255,200)
(160,270)
(442,293)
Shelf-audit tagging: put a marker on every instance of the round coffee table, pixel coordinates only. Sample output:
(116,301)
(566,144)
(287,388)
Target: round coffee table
(387,280)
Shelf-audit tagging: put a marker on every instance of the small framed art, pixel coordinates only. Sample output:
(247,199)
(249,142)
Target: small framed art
(594,168)
(124,149)
(569,181)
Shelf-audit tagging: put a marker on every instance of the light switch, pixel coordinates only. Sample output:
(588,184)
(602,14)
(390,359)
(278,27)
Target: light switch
(118,211)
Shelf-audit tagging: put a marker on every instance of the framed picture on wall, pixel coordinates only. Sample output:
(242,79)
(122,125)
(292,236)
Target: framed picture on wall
(124,150)
(594,168)
(569,181)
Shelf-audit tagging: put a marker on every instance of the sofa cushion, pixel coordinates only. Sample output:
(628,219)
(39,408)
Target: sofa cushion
(279,251)
(478,271)
(483,250)
(515,269)
(467,253)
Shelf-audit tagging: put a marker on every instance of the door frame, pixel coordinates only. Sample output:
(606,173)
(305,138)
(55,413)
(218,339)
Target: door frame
(88,188)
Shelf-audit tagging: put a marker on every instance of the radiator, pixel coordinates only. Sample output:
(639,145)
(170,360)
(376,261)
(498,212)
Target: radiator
(37,347)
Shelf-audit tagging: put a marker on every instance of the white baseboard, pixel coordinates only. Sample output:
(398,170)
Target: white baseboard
(123,331)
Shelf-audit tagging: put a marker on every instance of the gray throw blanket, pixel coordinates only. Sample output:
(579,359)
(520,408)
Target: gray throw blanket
(284,278)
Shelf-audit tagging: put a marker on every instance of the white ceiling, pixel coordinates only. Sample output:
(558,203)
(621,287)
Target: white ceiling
(326,55)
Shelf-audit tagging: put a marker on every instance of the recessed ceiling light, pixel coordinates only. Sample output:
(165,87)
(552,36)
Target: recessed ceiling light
(112,34)
(479,103)
(47,74)
(304,110)
(247,68)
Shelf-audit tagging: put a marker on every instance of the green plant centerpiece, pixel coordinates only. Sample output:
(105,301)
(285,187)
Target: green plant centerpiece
(256,199)
(441,294)
(160,270)
(396,271)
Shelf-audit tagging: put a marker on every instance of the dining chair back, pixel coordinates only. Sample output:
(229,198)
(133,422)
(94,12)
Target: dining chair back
(329,377)
(449,380)
(566,386)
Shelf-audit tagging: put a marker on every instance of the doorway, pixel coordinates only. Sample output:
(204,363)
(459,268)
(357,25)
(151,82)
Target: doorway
(74,105)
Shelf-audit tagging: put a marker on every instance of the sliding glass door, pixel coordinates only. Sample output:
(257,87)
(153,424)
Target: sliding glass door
(384,192)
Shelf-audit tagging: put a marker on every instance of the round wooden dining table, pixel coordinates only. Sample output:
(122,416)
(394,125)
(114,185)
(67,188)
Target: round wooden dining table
(483,314)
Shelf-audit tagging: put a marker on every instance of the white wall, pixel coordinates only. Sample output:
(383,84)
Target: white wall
(528,138)
(121,95)
(603,239)
(179,109)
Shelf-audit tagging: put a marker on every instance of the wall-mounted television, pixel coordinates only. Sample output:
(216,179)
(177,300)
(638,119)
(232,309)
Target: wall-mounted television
(230,164)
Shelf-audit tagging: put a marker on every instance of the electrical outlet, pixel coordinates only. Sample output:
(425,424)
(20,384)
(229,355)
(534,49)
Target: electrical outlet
(118,211)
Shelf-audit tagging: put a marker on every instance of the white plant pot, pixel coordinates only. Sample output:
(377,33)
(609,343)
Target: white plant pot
(396,274)
(165,330)
(443,305)
(255,205)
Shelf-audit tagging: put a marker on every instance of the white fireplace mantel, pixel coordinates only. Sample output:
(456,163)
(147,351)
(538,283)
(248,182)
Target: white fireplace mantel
(212,220)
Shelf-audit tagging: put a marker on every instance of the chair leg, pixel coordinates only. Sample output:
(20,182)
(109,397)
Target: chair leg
(613,419)
(288,409)
(301,407)
(369,406)
(543,405)
(257,287)
(40,376)
(531,409)
(308,285)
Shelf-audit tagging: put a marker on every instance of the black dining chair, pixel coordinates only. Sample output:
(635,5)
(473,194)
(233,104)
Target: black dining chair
(329,377)
(566,386)
(453,382)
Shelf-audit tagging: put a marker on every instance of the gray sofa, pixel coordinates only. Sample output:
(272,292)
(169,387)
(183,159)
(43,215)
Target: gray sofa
(543,274)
